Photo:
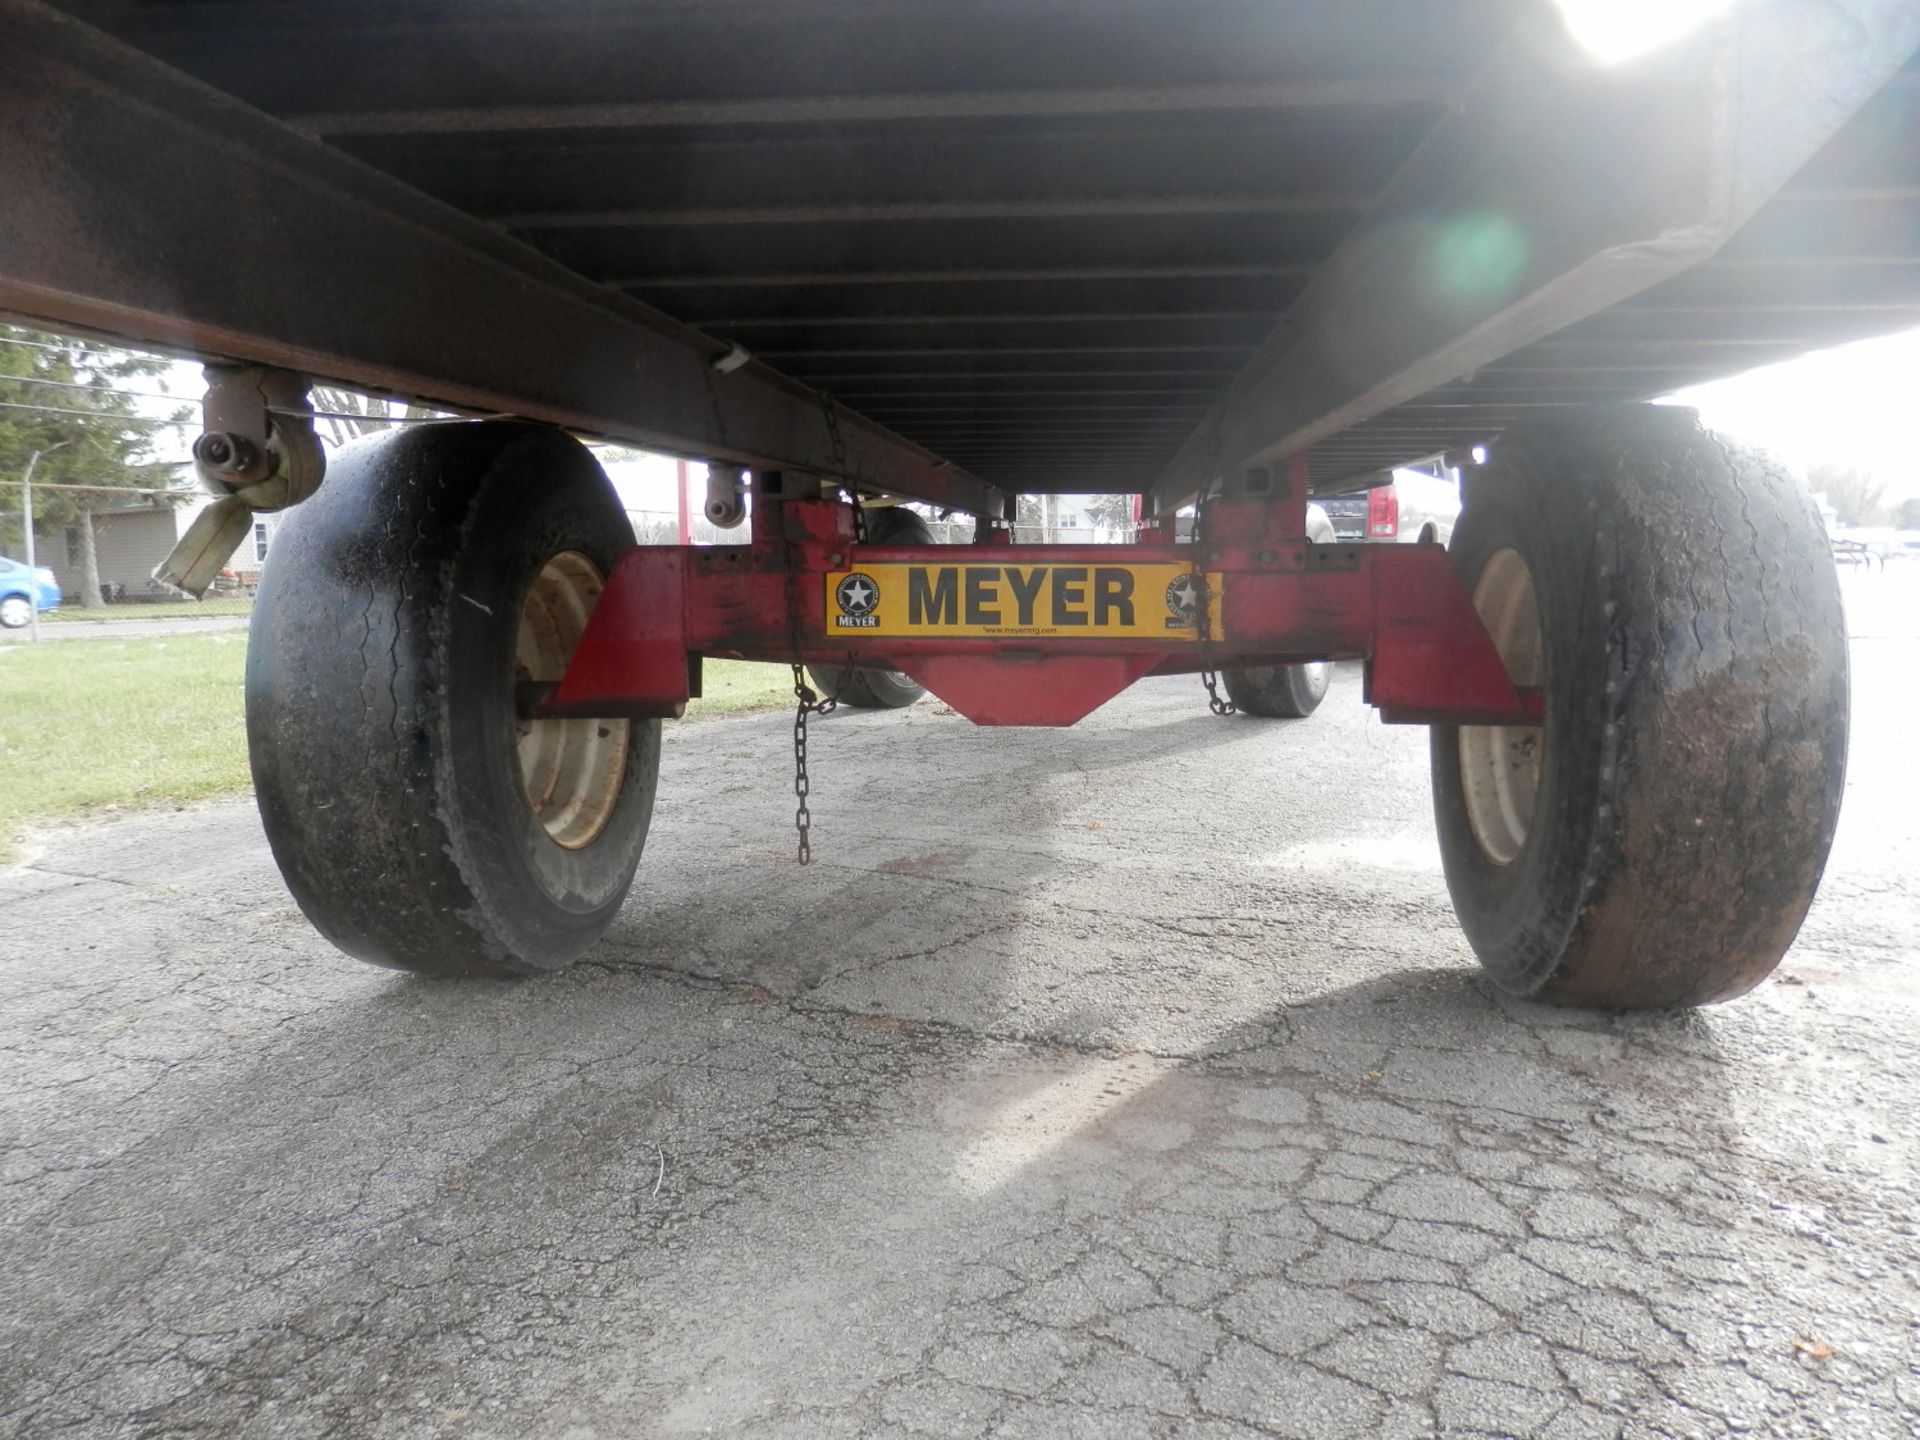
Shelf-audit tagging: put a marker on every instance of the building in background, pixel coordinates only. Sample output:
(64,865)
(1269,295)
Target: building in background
(132,536)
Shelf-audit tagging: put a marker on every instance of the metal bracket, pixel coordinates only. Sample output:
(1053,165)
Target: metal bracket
(726,495)
(1339,556)
(258,452)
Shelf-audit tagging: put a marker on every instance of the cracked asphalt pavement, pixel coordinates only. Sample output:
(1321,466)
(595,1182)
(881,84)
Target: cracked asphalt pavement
(1131,1080)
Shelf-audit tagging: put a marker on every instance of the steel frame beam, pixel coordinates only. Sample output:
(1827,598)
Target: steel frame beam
(788,279)
(1275,599)
(1399,90)
(887,212)
(141,203)
(1553,190)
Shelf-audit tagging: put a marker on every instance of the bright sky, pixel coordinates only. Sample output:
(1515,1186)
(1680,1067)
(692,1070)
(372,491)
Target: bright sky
(645,484)
(1851,406)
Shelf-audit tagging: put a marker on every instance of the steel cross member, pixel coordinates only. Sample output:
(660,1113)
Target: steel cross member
(1275,599)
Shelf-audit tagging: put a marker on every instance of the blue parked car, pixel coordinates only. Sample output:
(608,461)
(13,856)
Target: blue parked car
(22,591)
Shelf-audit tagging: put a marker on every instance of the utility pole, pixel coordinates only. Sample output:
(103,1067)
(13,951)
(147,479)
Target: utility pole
(26,510)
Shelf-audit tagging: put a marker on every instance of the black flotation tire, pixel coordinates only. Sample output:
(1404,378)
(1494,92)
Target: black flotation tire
(877,689)
(380,703)
(1278,692)
(1696,690)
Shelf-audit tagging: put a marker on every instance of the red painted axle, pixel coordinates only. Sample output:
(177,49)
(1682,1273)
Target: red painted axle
(1042,635)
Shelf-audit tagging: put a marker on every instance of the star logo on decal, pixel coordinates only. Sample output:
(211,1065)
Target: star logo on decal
(1183,598)
(857,595)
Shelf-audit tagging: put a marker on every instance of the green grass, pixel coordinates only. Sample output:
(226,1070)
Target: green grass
(731,687)
(86,726)
(70,613)
(89,727)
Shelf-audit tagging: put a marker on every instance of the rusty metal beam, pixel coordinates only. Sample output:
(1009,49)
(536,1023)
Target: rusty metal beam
(1011,317)
(1397,90)
(961,382)
(1019,352)
(887,212)
(1037,406)
(141,203)
(1555,189)
(992,275)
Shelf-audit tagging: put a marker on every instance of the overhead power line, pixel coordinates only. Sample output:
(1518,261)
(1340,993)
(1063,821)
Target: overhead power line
(98,389)
(121,489)
(29,344)
(84,347)
(98,415)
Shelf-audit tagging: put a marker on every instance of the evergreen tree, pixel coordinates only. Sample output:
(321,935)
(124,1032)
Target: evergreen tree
(66,400)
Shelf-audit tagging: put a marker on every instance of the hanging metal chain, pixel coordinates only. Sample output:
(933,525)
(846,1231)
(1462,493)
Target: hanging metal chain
(831,412)
(1208,678)
(834,438)
(1214,702)
(808,704)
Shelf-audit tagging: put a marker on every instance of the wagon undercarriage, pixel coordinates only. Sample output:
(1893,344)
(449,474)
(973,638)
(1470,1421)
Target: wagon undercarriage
(868,251)
(1062,264)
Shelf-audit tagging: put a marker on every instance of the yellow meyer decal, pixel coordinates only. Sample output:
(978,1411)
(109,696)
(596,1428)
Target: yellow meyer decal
(1091,601)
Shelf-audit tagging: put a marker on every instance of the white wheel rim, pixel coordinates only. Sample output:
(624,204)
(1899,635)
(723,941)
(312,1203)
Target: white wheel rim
(14,612)
(1500,764)
(571,769)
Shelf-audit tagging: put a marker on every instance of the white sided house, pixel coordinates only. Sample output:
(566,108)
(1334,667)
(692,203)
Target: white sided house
(133,536)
